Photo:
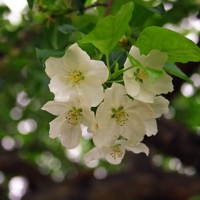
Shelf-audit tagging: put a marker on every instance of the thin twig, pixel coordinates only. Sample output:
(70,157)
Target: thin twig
(105,4)
(108,7)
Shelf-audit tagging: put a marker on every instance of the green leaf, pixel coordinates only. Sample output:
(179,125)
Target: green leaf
(42,55)
(158,9)
(54,38)
(80,5)
(116,56)
(178,48)
(110,30)
(152,74)
(88,48)
(30,3)
(172,69)
(140,15)
(67,28)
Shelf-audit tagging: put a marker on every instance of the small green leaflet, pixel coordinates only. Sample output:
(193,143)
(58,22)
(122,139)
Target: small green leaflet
(30,3)
(178,47)
(42,55)
(152,74)
(174,70)
(67,28)
(110,30)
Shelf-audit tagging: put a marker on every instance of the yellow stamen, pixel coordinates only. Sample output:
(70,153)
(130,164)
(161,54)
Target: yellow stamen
(116,151)
(75,77)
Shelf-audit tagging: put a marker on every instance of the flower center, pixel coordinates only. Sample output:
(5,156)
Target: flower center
(74,115)
(116,151)
(140,75)
(120,116)
(75,77)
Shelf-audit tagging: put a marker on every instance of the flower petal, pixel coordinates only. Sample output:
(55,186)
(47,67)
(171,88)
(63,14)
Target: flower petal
(134,129)
(61,88)
(160,106)
(55,108)
(114,95)
(94,93)
(115,157)
(151,127)
(162,85)
(87,117)
(76,55)
(155,59)
(70,135)
(55,126)
(93,154)
(143,110)
(106,137)
(132,86)
(100,70)
(137,149)
(135,52)
(144,94)
(56,66)
(103,116)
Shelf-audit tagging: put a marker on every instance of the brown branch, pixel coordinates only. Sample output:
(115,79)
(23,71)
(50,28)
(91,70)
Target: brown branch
(105,4)
(108,7)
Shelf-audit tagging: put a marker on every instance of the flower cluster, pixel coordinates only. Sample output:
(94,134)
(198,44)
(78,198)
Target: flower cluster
(128,112)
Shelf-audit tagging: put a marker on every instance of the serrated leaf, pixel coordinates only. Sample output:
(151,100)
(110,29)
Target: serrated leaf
(158,9)
(152,74)
(172,69)
(178,47)
(30,3)
(42,55)
(110,30)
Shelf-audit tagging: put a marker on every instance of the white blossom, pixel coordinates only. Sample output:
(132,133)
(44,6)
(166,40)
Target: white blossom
(115,153)
(75,72)
(136,81)
(71,115)
(159,106)
(119,115)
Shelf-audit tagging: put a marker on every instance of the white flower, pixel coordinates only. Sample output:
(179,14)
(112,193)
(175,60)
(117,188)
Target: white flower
(75,72)
(119,115)
(136,82)
(159,106)
(115,153)
(71,115)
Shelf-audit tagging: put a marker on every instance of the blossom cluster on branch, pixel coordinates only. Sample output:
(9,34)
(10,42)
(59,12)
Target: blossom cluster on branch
(125,112)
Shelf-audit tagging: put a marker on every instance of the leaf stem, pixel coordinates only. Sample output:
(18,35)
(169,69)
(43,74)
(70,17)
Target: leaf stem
(118,81)
(108,64)
(105,86)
